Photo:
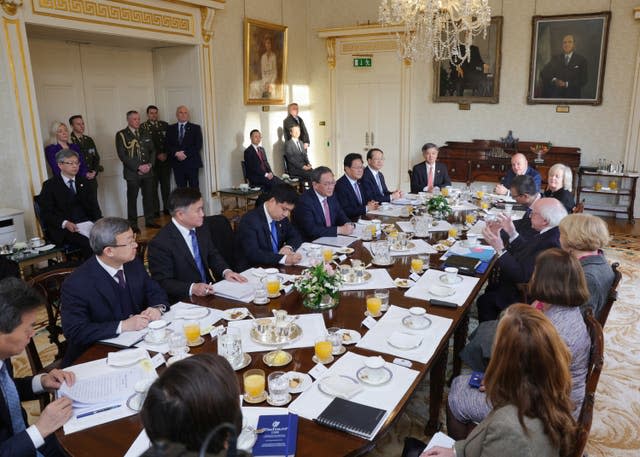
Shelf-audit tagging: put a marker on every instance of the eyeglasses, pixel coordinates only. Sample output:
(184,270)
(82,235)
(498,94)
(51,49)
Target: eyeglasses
(73,164)
(125,245)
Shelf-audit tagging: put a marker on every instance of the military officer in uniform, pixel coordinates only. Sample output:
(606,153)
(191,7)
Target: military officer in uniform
(136,151)
(157,130)
(88,149)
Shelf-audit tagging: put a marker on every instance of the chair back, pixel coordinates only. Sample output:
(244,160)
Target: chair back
(36,211)
(244,171)
(612,296)
(410,174)
(579,208)
(596,360)
(286,164)
(223,238)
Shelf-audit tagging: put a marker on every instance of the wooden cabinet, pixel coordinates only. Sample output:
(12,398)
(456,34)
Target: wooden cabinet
(607,192)
(488,160)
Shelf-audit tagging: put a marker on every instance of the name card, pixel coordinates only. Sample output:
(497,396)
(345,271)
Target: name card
(369,322)
(318,371)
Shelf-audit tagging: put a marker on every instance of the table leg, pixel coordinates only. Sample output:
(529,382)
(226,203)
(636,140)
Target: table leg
(436,390)
(459,340)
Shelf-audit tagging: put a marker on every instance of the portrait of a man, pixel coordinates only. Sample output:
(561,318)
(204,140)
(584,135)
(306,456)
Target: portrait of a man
(265,61)
(568,59)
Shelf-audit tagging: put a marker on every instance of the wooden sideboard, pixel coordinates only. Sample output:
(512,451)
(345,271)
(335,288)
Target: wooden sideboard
(488,160)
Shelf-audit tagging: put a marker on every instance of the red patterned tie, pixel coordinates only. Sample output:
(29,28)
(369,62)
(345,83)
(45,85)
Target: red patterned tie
(327,214)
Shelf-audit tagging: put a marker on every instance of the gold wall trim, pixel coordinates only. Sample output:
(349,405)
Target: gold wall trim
(364,46)
(119,13)
(14,80)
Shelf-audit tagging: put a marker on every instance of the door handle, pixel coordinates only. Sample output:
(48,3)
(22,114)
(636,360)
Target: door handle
(372,142)
(366,138)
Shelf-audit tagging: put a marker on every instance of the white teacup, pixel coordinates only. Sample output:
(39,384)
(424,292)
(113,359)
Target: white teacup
(452,274)
(244,186)
(472,240)
(157,330)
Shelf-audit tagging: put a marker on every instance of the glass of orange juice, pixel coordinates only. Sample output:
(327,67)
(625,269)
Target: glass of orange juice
(453,232)
(272,284)
(254,386)
(192,333)
(373,305)
(484,204)
(480,194)
(327,254)
(322,350)
(416,265)
(444,191)
(470,218)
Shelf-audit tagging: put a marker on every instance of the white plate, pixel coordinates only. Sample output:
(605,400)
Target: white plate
(404,341)
(328,391)
(404,283)
(374,377)
(46,247)
(236,314)
(441,291)
(345,250)
(304,383)
(355,336)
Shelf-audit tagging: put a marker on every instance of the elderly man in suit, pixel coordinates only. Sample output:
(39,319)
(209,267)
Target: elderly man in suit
(136,151)
(519,167)
(19,305)
(428,175)
(67,200)
(265,234)
(373,179)
(352,195)
(296,156)
(293,119)
(184,142)
(259,172)
(516,263)
(182,256)
(566,73)
(110,293)
(318,212)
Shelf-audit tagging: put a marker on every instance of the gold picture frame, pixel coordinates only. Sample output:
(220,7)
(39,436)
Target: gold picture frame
(477,81)
(265,63)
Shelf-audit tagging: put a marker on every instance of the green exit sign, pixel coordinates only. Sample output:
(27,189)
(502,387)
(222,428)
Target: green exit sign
(362,61)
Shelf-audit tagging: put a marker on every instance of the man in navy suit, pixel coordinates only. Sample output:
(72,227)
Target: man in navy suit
(519,167)
(66,200)
(110,293)
(265,233)
(351,194)
(256,164)
(318,212)
(516,263)
(429,174)
(182,256)
(373,179)
(184,142)
(19,305)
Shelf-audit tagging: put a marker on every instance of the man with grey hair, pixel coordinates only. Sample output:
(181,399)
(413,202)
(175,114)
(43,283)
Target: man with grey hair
(184,142)
(68,204)
(110,293)
(516,263)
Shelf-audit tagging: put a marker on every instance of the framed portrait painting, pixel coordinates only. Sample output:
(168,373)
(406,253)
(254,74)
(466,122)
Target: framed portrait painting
(476,80)
(568,56)
(265,62)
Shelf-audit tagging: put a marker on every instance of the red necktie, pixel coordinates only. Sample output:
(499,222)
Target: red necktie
(327,214)
(263,160)
(430,180)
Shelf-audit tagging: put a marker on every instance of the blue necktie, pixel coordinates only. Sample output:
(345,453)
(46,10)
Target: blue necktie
(356,188)
(181,134)
(196,255)
(274,237)
(379,180)
(72,186)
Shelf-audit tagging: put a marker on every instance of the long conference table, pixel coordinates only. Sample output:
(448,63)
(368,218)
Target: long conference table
(115,438)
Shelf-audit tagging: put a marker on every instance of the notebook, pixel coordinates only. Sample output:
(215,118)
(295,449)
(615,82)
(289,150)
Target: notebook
(351,417)
(463,263)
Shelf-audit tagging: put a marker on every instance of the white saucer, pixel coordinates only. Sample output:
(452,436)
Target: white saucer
(353,338)
(272,403)
(374,377)
(304,381)
(326,362)
(443,279)
(261,302)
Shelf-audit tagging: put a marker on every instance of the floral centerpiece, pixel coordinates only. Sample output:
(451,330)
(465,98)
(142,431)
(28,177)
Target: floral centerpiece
(540,150)
(320,286)
(439,207)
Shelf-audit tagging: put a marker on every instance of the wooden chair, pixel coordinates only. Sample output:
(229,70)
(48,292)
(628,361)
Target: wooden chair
(579,208)
(612,296)
(596,360)
(246,180)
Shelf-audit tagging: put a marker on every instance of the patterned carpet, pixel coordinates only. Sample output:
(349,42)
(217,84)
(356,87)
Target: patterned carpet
(614,432)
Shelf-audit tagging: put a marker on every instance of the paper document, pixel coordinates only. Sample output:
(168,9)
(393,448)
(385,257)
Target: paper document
(339,241)
(84,228)
(107,388)
(139,446)
(440,439)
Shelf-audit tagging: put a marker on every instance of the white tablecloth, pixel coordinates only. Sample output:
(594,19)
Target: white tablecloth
(376,338)
(380,279)
(407,226)
(421,247)
(430,278)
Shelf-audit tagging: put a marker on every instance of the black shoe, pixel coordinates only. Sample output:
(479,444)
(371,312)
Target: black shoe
(152,225)
(135,229)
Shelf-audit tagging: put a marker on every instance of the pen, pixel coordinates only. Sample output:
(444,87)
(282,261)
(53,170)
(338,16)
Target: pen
(91,413)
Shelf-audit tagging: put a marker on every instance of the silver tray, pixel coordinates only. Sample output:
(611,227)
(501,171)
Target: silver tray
(270,338)
(365,278)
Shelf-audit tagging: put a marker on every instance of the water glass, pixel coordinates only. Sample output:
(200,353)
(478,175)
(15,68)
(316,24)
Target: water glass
(178,345)
(336,340)
(278,388)
(383,295)
(230,347)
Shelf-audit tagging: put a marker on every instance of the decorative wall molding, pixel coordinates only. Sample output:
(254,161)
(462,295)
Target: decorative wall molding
(349,47)
(207,17)
(331,52)
(119,13)
(10,7)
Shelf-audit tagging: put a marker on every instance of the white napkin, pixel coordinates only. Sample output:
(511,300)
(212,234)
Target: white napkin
(404,340)
(339,386)
(126,357)
(194,312)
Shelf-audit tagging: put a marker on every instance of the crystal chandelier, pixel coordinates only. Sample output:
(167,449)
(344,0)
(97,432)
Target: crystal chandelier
(436,29)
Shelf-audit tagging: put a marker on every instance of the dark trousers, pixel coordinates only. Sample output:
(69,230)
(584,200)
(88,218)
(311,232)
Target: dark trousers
(162,177)
(133,187)
(78,241)
(186,178)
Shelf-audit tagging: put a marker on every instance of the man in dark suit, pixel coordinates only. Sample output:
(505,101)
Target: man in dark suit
(182,257)
(519,167)
(523,191)
(296,156)
(157,130)
(67,200)
(136,151)
(110,293)
(566,73)
(351,193)
(256,164)
(373,179)
(318,212)
(184,143)
(293,119)
(265,234)
(19,306)
(429,174)
(516,263)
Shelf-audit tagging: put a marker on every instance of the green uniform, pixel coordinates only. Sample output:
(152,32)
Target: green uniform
(90,155)
(158,131)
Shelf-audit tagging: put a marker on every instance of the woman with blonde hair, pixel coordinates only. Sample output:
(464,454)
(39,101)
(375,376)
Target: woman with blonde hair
(559,186)
(58,141)
(529,384)
(585,236)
